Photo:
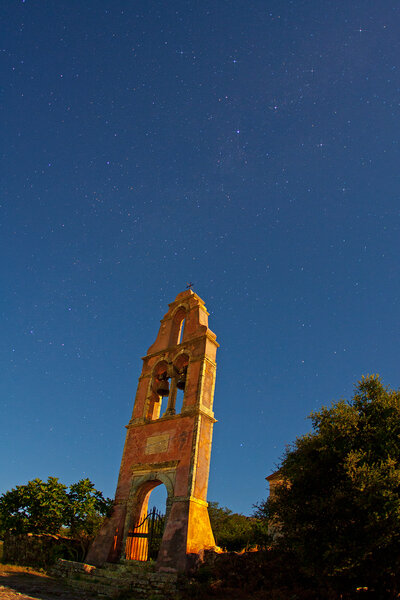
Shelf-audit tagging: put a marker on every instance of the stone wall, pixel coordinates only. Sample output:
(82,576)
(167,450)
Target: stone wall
(40,550)
(129,577)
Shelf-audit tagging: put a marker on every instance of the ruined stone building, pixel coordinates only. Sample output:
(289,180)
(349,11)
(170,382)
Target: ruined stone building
(168,447)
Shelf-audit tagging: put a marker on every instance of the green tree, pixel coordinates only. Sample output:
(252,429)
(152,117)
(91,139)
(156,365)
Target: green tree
(232,531)
(44,507)
(36,507)
(86,508)
(338,507)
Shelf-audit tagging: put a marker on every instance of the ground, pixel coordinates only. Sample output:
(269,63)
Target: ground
(24,583)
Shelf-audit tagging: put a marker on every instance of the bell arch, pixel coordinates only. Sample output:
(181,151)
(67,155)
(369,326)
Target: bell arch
(180,368)
(157,382)
(173,449)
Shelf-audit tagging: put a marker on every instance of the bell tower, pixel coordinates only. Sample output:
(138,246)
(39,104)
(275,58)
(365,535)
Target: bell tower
(168,447)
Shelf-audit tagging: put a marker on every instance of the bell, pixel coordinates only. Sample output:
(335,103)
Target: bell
(163,387)
(181,383)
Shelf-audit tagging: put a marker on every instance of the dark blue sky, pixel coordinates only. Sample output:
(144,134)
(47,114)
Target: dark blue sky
(249,147)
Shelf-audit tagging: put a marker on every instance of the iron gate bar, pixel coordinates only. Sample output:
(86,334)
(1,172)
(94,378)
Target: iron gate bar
(149,551)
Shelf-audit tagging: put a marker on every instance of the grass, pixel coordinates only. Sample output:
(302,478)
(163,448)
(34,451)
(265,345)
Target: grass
(22,569)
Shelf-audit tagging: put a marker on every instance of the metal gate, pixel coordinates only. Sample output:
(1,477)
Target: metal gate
(144,540)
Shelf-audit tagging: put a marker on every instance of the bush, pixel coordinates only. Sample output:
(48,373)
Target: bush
(232,531)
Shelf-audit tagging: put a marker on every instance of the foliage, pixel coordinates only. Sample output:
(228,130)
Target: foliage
(232,531)
(37,507)
(44,507)
(338,506)
(263,575)
(86,507)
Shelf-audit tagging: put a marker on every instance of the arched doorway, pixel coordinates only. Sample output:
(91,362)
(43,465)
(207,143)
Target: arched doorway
(144,536)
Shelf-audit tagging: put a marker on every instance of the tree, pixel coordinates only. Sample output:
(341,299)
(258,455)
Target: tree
(338,507)
(36,507)
(232,531)
(86,508)
(44,507)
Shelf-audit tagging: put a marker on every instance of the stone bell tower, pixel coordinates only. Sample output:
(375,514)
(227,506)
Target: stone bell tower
(171,449)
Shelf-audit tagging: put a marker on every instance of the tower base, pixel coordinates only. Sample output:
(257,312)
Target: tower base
(187,534)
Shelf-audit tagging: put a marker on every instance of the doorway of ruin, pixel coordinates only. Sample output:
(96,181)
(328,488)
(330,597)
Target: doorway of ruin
(147,522)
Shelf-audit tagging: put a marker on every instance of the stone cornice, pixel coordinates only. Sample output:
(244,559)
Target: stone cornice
(142,468)
(190,499)
(208,334)
(189,412)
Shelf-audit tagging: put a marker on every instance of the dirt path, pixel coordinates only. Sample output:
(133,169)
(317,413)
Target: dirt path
(24,583)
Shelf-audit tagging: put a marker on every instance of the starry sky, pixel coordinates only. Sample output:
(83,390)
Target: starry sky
(249,147)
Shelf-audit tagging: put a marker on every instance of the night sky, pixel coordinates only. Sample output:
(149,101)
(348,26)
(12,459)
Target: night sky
(249,147)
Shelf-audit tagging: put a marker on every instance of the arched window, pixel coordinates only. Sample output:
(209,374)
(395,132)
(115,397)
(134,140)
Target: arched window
(178,326)
(181,330)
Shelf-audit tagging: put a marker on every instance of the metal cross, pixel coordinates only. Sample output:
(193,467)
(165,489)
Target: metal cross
(189,286)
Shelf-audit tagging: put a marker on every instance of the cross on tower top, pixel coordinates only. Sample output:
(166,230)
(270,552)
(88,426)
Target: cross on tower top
(189,286)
